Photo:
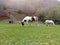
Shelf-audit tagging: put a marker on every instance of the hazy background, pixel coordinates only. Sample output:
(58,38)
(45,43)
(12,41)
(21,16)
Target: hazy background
(18,9)
(29,5)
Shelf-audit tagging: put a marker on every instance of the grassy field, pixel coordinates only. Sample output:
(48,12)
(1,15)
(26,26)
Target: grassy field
(15,34)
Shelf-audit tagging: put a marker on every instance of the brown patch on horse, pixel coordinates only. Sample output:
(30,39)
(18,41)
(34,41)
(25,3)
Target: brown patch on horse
(33,19)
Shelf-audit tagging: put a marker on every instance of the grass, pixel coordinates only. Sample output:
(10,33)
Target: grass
(15,34)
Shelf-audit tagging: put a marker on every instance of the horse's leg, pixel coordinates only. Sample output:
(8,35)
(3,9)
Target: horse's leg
(53,23)
(47,24)
(37,21)
(27,22)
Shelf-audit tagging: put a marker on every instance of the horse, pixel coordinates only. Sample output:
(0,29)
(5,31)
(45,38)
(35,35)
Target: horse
(28,19)
(47,22)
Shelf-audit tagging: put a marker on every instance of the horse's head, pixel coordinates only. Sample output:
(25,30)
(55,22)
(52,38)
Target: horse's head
(22,23)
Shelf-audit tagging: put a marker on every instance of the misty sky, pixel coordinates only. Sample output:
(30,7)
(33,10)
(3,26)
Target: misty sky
(29,5)
(21,3)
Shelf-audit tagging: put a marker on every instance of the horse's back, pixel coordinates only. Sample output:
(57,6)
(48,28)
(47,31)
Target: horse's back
(49,22)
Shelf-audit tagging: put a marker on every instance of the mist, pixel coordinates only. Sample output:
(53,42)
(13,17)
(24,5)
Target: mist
(29,5)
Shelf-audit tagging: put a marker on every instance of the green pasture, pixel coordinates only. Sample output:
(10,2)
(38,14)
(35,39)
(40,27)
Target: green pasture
(15,34)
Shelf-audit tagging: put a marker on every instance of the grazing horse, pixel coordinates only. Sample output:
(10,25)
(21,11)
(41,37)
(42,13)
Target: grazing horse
(47,22)
(30,19)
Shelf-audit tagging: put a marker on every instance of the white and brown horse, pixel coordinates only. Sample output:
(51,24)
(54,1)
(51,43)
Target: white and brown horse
(28,19)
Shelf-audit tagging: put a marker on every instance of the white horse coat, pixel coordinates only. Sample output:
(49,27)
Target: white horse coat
(30,18)
(49,22)
(27,18)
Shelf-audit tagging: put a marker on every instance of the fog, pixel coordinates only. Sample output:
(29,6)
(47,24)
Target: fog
(24,3)
(28,5)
